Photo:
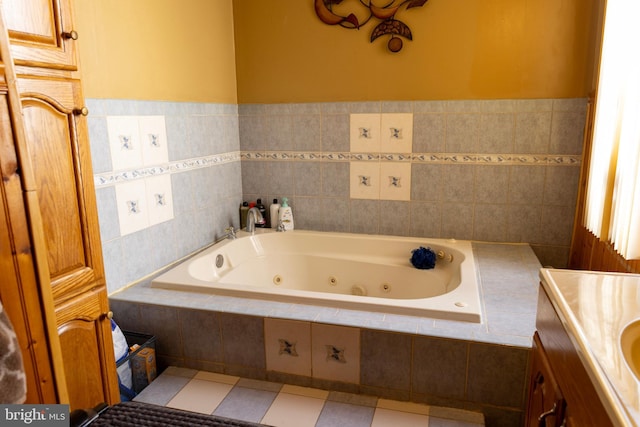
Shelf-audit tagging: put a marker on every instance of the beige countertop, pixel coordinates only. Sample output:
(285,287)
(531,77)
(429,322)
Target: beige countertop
(595,307)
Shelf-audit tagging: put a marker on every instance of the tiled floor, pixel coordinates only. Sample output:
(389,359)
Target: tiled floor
(285,405)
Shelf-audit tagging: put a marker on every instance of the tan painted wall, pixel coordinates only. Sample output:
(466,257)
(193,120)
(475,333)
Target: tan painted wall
(462,49)
(157,49)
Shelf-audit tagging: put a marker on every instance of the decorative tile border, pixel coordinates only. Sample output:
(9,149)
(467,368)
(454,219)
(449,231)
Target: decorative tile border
(435,158)
(116,177)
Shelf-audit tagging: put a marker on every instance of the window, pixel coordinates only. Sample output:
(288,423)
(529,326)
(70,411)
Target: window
(613,188)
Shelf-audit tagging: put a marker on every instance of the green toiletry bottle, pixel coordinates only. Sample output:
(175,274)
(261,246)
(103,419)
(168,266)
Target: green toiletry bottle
(285,215)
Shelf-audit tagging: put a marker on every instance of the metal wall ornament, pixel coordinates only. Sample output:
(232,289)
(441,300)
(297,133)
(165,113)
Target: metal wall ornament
(389,25)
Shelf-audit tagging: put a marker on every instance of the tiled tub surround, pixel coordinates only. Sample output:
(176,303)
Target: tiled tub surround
(500,171)
(202,167)
(445,363)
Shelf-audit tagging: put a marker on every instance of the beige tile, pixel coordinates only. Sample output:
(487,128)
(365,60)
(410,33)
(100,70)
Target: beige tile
(345,366)
(387,417)
(305,391)
(290,410)
(215,377)
(456,414)
(364,180)
(288,346)
(396,132)
(200,396)
(395,405)
(364,133)
(395,181)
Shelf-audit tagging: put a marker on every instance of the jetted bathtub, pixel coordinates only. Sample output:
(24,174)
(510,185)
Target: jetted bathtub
(353,271)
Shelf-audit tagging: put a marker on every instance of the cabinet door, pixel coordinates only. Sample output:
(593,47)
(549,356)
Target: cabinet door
(546,403)
(18,286)
(41,33)
(59,154)
(87,350)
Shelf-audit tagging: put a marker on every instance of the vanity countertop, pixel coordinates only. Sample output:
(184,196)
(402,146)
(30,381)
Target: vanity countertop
(595,308)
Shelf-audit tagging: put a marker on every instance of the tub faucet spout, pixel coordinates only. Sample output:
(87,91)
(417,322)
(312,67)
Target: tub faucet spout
(253,217)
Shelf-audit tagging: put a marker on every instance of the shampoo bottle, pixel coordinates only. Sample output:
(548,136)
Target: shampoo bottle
(244,210)
(285,214)
(263,212)
(273,213)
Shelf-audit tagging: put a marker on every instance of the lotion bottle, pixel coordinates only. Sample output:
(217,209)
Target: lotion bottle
(273,213)
(285,214)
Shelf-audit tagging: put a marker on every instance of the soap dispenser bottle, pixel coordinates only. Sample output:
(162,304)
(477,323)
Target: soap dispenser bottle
(273,213)
(285,215)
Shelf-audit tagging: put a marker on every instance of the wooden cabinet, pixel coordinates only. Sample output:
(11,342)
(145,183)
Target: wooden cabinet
(566,384)
(41,33)
(19,286)
(53,155)
(546,402)
(57,137)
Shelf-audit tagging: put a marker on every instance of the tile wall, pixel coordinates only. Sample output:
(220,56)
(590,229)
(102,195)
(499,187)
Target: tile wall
(197,176)
(500,171)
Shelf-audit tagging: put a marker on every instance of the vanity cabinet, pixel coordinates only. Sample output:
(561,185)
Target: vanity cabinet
(54,161)
(566,384)
(546,402)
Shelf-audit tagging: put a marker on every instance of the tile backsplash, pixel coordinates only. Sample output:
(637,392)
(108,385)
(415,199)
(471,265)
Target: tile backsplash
(494,170)
(488,170)
(167,179)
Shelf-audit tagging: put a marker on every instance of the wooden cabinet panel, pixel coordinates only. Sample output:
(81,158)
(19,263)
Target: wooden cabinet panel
(19,287)
(545,397)
(63,283)
(40,33)
(584,407)
(59,150)
(87,351)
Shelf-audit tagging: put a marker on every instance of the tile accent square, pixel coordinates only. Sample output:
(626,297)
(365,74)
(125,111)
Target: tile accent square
(131,199)
(395,181)
(288,346)
(364,180)
(159,199)
(124,142)
(396,133)
(364,133)
(335,353)
(153,139)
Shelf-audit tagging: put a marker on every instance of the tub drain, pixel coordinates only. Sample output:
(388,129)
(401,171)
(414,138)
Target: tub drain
(385,287)
(333,281)
(277,279)
(358,290)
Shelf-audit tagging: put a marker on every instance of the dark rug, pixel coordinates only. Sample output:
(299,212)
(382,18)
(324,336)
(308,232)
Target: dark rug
(127,414)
